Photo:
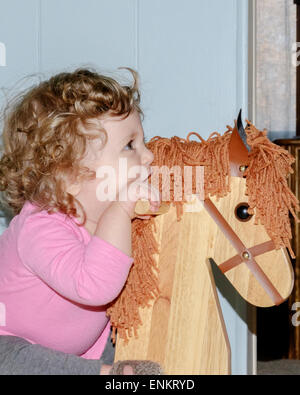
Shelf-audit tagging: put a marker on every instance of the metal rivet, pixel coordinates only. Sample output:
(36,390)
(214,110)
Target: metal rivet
(246,255)
(242,168)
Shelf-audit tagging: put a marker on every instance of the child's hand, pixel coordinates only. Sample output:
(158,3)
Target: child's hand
(105,369)
(132,367)
(143,190)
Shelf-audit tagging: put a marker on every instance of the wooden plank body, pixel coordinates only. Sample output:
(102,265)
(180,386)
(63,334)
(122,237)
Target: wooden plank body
(176,327)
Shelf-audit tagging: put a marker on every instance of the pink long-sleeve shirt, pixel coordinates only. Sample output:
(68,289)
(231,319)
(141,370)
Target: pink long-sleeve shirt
(55,282)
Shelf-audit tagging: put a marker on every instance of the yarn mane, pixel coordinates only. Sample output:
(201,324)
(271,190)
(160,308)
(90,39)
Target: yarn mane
(269,197)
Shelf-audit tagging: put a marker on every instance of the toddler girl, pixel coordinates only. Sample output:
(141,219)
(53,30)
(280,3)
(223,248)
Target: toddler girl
(69,146)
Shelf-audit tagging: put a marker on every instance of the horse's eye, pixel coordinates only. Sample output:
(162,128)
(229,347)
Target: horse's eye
(241,212)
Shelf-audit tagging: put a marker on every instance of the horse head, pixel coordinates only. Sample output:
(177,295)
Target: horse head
(262,274)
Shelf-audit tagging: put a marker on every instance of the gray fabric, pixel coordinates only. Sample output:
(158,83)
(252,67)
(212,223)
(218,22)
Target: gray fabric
(19,357)
(108,354)
(279,367)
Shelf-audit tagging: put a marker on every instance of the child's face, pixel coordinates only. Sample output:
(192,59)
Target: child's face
(123,150)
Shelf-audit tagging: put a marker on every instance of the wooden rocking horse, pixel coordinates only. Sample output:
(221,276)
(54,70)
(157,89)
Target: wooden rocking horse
(170,300)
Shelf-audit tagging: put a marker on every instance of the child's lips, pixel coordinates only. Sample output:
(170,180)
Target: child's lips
(149,173)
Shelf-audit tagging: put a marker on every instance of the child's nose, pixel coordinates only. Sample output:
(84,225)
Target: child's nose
(148,157)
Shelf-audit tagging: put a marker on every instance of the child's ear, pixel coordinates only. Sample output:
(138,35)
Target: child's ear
(74,189)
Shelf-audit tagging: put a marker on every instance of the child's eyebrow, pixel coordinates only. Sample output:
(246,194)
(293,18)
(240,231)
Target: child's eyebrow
(131,136)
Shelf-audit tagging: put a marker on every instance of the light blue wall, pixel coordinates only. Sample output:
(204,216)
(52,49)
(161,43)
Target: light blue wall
(191,56)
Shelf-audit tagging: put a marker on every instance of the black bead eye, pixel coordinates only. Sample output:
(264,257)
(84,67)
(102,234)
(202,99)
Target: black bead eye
(241,212)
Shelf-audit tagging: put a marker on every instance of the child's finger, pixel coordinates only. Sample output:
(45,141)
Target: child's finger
(155,196)
(128,370)
(154,207)
(143,216)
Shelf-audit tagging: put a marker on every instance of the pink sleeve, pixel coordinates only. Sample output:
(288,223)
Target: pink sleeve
(92,274)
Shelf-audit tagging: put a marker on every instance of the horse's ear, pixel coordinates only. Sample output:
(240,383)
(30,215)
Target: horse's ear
(238,149)
(241,130)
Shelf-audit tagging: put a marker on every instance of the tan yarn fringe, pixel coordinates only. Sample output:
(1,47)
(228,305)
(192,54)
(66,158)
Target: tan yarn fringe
(267,187)
(270,199)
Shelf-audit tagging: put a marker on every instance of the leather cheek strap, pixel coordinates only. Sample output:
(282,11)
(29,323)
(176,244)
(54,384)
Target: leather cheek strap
(241,249)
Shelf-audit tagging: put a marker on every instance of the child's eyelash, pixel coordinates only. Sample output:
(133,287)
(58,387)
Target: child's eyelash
(131,141)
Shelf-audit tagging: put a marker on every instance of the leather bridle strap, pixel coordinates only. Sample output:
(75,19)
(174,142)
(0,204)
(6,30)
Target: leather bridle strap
(236,260)
(241,249)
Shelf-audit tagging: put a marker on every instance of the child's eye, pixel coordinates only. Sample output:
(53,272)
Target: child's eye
(130,145)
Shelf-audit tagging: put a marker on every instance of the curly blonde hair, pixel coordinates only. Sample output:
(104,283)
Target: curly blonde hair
(45,134)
